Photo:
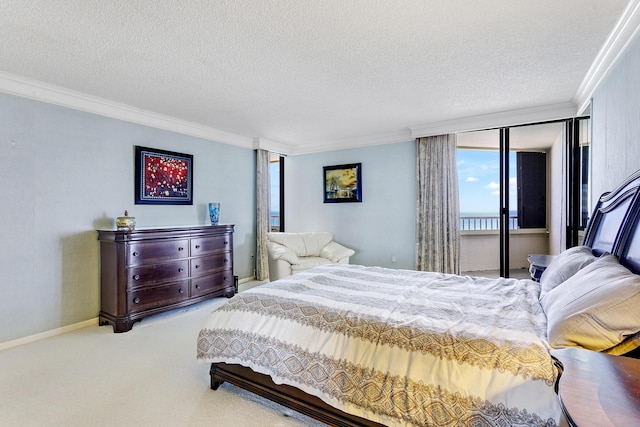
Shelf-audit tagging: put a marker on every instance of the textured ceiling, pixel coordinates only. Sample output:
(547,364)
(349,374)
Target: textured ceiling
(310,71)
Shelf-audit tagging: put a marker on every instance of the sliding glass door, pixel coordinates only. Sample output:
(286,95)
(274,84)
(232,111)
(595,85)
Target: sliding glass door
(504,196)
(578,165)
(539,148)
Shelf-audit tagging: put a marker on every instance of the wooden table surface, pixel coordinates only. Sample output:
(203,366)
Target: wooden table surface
(597,389)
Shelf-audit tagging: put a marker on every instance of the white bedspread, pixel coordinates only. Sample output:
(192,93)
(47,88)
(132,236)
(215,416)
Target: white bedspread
(398,347)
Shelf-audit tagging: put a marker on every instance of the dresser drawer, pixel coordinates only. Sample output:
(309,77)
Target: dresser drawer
(158,296)
(215,282)
(157,273)
(210,245)
(210,264)
(152,252)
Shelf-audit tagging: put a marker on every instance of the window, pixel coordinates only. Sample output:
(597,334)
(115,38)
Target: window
(578,137)
(585,166)
(276,177)
(479,186)
(479,178)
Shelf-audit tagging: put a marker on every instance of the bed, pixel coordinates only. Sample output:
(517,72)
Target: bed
(352,345)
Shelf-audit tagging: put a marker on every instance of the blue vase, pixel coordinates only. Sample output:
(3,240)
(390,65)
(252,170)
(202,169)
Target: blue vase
(214,213)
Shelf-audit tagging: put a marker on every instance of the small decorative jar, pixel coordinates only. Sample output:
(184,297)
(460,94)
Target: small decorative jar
(126,222)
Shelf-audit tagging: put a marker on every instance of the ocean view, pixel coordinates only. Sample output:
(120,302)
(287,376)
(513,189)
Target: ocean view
(274,220)
(486,220)
(468,220)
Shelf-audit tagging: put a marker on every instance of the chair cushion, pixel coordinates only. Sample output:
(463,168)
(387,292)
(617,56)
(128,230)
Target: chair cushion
(303,244)
(280,252)
(308,262)
(336,252)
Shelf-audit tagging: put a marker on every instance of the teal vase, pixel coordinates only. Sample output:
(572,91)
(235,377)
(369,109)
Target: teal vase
(214,213)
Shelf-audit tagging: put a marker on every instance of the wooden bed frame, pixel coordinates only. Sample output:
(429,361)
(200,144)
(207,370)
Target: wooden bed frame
(613,228)
(283,394)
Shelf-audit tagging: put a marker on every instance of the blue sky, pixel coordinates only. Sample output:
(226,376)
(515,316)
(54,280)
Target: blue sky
(479,179)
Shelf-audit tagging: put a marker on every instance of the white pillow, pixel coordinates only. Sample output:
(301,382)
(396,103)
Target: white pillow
(564,266)
(597,308)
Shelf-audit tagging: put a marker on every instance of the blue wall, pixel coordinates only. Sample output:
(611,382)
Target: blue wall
(615,121)
(66,173)
(380,228)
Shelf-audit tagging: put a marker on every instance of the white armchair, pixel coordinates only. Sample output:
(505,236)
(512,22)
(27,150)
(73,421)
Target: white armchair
(291,253)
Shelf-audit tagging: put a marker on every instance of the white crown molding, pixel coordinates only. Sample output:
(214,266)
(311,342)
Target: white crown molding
(44,92)
(489,121)
(626,29)
(39,91)
(623,33)
(272,146)
(357,142)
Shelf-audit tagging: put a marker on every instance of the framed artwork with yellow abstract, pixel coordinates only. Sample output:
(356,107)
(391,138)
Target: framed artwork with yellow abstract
(343,183)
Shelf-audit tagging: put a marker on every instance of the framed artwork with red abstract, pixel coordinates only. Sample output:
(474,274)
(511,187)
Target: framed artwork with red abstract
(163,177)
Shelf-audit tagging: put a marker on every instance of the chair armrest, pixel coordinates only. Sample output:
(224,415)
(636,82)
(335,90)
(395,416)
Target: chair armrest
(280,252)
(334,251)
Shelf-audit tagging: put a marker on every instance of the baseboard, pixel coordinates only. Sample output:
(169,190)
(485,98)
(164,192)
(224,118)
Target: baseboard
(69,328)
(246,279)
(48,334)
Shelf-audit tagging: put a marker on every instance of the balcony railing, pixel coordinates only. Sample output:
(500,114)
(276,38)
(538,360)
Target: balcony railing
(275,222)
(466,223)
(485,223)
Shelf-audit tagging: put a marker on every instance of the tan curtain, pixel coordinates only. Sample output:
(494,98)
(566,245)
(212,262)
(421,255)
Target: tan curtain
(437,205)
(263,196)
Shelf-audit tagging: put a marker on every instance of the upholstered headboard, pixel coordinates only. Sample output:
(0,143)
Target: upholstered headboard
(613,227)
(628,245)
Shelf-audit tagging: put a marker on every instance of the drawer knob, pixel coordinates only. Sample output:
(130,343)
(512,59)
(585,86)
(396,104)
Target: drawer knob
(180,270)
(135,254)
(197,266)
(226,260)
(136,300)
(181,291)
(197,286)
(180,248)
(226,243)
(136,277)
(197,246)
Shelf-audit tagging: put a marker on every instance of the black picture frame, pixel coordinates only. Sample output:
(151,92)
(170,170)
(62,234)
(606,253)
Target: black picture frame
(163,177)
(342,183)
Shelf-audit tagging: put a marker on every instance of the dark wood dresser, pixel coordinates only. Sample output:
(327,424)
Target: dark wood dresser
(149,271)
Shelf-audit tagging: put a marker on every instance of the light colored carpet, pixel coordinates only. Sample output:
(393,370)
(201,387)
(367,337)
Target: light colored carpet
(148,376)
